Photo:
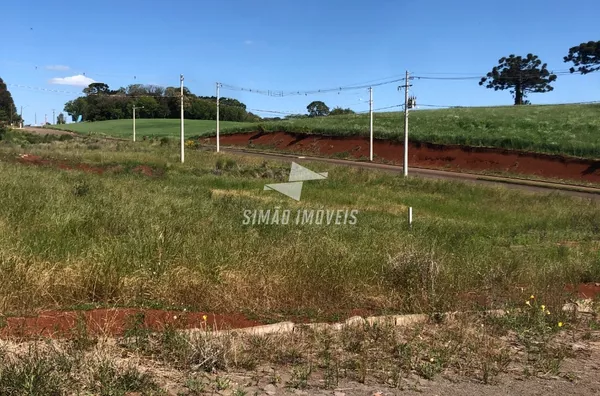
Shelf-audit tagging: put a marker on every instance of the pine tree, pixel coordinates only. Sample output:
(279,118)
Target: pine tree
(8,111)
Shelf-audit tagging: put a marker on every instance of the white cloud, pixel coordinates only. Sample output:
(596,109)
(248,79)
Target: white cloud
(57,67)
(248,42)
(78,81)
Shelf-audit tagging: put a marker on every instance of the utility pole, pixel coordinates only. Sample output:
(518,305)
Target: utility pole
(21,117)
(182,126)
(406,87)
(45,119)
(371,123)
(134,120)
(53,117)
(218,137)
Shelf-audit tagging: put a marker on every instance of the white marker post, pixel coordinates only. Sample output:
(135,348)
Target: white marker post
(410,217)
(371,124)
(182,120)
(218,137)
(134,120)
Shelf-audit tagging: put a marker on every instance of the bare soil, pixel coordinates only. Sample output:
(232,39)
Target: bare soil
(578,374)
(113,322)
(425,155)
(585,290)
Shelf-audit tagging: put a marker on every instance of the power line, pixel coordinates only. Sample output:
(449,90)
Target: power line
(448,78)
(277,93)
(507,106)
(449,73)
(560,73)
(270,111)
(379,79)
(381,108)
(430,105)
(476,74)
(280,93)
(43,89)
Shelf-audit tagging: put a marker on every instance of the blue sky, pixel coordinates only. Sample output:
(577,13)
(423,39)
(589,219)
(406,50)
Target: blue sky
(288,45)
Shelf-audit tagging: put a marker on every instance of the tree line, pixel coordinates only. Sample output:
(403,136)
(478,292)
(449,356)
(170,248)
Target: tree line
(527,74)
(100,103)
(8,110)
(316,108)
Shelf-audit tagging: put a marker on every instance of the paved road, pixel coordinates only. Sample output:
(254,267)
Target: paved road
(526,185)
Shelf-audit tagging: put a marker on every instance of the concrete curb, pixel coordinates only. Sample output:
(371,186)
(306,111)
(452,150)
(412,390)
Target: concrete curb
(582,306)
(355,321)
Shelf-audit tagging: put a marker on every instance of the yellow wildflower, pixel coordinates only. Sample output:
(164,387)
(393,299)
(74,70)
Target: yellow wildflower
(204,317)
(543,307)
(532,297)
(560,324)
(528,303)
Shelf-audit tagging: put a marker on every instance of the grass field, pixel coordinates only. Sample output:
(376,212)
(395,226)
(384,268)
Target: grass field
(71,237)
(560,129)
(88,222)
(150,128)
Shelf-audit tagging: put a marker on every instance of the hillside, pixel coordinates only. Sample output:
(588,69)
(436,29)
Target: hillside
(561,129)
(150,127)
(556,129)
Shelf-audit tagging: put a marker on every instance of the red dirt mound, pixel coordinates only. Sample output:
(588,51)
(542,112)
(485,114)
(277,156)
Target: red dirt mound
(39,161)
(113,322)
(144,170)
(425,155)
(585,290)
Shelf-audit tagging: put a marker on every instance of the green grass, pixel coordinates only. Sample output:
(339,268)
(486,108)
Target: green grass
(555,129)
(560,129)
(177,238)
(146,127)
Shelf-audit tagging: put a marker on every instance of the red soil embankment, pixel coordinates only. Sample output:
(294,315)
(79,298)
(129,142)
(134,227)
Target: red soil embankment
(425,155)
(114,321)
